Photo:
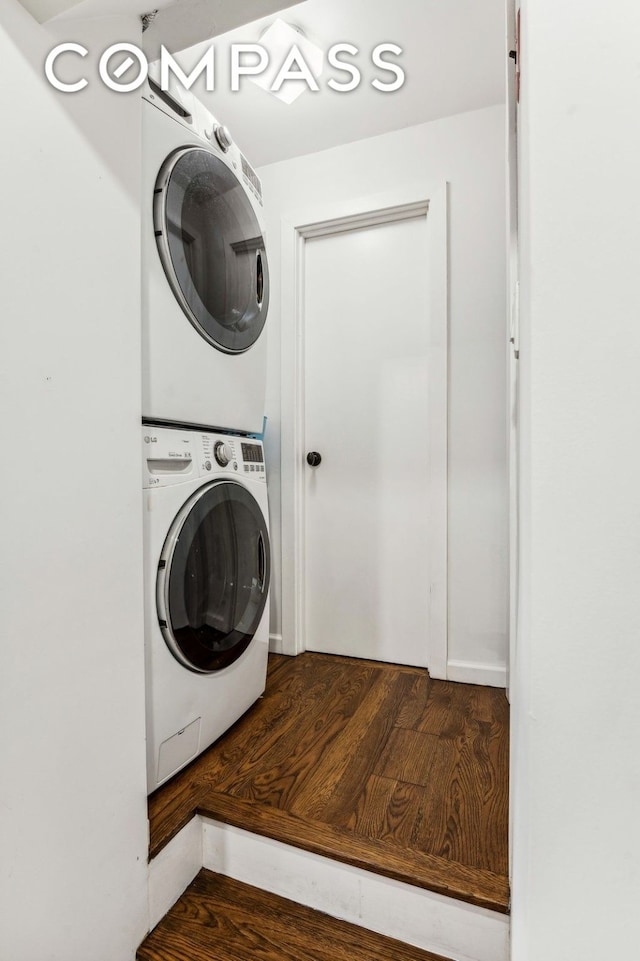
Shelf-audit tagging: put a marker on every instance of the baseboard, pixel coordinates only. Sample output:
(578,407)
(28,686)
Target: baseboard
(475,672)
(275,644)
(173,869)
(393,908)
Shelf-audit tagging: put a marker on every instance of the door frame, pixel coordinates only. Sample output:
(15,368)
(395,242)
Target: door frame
(407,202)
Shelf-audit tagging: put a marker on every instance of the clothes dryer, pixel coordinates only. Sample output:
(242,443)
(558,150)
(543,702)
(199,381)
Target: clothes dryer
(205,277)
(206,585)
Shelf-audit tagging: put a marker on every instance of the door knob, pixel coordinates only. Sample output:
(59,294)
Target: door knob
(313,458)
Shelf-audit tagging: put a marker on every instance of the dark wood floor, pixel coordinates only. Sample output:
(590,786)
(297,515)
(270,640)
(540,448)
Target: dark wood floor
(218,919)
(373,764)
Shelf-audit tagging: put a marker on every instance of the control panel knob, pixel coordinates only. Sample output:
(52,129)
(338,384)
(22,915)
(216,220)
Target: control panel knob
(314,459)
(222,453)
(223,137)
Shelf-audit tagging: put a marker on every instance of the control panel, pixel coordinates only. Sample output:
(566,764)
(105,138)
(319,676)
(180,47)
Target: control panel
(173,456)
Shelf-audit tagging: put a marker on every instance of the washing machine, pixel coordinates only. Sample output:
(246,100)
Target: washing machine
(206,586)
(205,277)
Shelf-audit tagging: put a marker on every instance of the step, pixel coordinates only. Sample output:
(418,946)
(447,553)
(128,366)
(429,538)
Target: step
(441,875)
(433,922)
(220,919)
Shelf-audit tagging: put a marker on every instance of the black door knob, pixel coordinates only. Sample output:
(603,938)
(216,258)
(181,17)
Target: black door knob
(313,458)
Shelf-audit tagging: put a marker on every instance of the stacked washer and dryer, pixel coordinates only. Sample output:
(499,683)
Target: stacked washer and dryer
(206,536)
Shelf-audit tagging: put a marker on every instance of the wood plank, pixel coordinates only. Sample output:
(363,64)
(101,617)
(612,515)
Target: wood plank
(280,766)
(344,764)
(408,756)
(451,706)
(219,919)
(277,662)
(347,765)
(451,878)
(465,809)
(273,730)
(388,810)
(417,689)
(446,709)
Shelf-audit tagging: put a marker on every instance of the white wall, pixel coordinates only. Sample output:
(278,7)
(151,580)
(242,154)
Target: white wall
(467,151)
(575,706)
(73,833)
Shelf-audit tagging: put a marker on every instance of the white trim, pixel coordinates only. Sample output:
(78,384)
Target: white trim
(292,421)
(438,433)
(405,202)
(413,915)
(275,644)
(173,869)
(475,672)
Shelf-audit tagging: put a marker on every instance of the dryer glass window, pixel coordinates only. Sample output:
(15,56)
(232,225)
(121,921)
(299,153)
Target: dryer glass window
(212,249)
(217,578)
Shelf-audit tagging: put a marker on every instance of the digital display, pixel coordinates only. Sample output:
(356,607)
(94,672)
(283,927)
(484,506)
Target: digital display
(252,453)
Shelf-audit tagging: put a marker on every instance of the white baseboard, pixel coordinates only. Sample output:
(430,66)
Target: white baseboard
(410,914)
(173,869)
(475,672)
(466,672)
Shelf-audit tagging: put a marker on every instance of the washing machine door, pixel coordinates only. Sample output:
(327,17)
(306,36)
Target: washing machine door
(213,577)
(212,248)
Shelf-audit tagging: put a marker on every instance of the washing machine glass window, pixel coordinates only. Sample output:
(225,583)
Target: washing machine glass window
(212,248)
(214,576)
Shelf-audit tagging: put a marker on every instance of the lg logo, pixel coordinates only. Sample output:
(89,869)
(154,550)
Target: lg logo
(150,440)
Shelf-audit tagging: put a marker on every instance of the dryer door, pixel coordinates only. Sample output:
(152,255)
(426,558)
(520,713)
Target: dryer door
(212,248)
(213,577)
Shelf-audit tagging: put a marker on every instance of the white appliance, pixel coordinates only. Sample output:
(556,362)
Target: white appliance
(206,583)
(205,278)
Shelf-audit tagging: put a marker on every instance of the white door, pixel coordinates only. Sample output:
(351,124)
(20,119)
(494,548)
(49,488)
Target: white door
(366,403)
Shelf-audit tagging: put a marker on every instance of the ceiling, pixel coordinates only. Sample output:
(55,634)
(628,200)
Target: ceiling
(79,9)
(453,56)
(177,24)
